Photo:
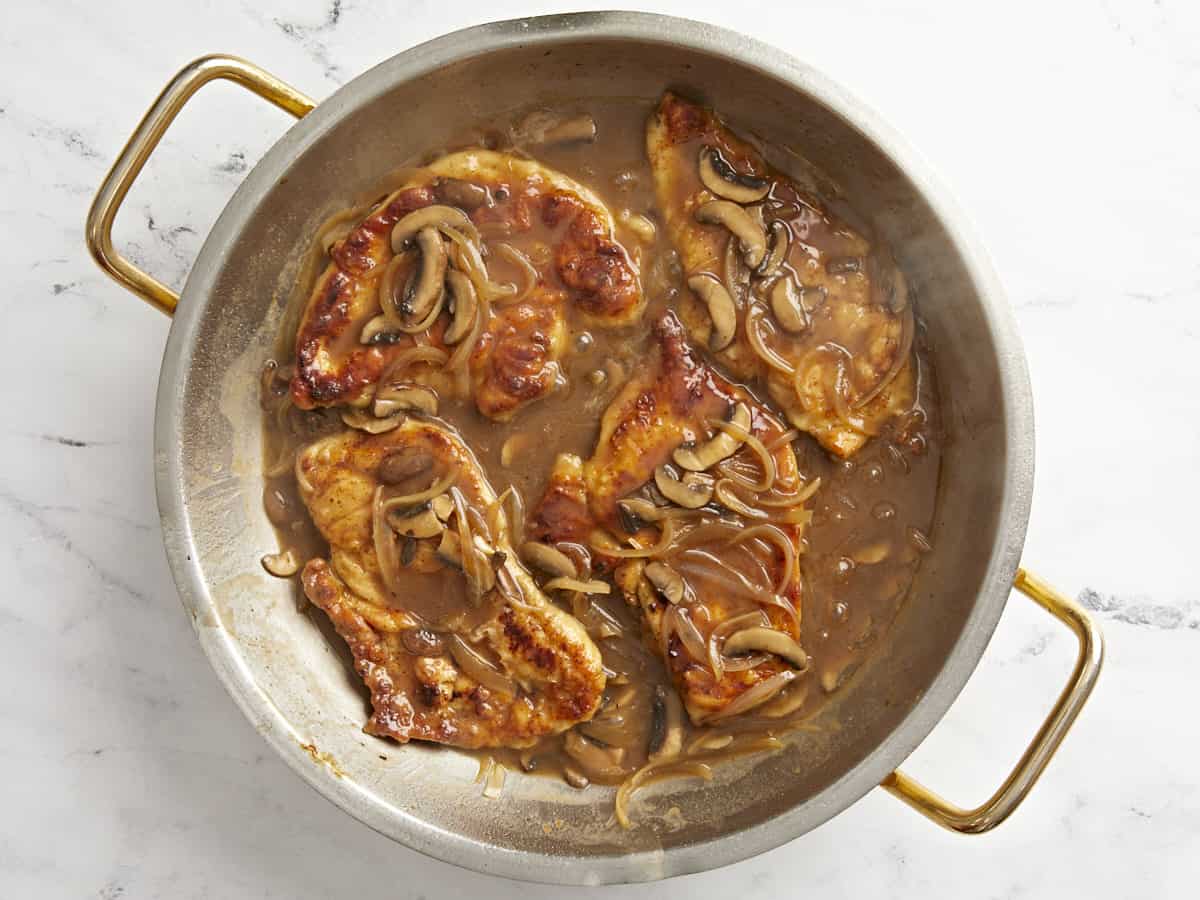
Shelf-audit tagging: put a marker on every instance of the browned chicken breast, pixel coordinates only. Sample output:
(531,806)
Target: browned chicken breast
(693,500)
(780,290)
(467,651)
(466,275)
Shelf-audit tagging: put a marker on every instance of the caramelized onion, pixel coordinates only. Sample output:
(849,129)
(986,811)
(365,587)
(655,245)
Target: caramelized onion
(528,269)
(765,460)
(462,353)
(439,486)
(781,542)
(479,669)
(413,356)
(727,497)
(784,500)
(665,540)
(754,696)
(574,584)
(650,773)
(384,538)
(907,328)
(755,317)
(677,621)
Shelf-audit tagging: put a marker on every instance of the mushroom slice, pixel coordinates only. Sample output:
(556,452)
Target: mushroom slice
(666,580)
(436,216)
(424,291)
(597,760)
(767,640)
(379,330)
(692,491)
(634,512)
(726,182)
(405,398)
(722,446)
(465,304)
(282,565)
(591,586)
(360,419)
(666,725)
(751,235)
(786,305)
(442,506)
(463,194)
(549,559)
(779,245)
(721,309)
(576,128)
(417,523)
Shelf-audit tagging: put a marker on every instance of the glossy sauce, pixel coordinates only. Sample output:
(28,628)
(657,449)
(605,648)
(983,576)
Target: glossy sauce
(872,514)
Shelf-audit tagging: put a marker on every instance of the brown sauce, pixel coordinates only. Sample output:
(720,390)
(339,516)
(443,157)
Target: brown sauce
(871,515)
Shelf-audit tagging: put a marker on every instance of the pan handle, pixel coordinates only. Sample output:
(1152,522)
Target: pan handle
(142,143)
(1016,786)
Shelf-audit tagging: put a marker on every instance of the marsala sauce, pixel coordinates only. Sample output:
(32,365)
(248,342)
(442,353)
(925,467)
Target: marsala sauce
(871,515)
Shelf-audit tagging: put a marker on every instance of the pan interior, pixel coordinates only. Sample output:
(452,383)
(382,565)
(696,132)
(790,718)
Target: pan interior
(282,668)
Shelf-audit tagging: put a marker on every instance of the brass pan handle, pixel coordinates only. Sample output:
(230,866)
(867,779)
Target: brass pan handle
(1033,761)
(142,143)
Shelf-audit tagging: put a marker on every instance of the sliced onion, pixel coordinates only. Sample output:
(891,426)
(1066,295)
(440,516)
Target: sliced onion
(765,460)
(665,540)
(792,499)
(650,773)
(574,584)
(479,669)
(715,660)
(754,318)
(412,356)
(677,621)
(755,696)
(439,487)
(462,353)
(776,537)
(469,261)
(528,269)
(907,328)
(724,493)
(470,559)
(384,538)
(784,439)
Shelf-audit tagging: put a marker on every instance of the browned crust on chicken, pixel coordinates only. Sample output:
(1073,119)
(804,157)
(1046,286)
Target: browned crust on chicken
(845,308)
(587,267)
(537,646)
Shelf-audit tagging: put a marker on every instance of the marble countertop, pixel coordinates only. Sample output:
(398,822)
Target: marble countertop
(1070,131)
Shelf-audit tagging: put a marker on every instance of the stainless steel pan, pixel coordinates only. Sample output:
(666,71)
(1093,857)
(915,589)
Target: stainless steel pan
(280,668)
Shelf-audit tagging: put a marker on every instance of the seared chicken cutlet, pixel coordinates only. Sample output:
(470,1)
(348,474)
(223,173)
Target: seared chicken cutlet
(693,498)
(467,651)
(779,289)
(462,278)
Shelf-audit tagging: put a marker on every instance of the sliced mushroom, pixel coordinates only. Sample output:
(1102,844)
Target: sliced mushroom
(436,216)
(406,463)
(463,194)
(360,419)
(750,234)
(379,330)
(666,725)
(282,565)
(465,303)
(666,580)
(597,760)
(692,491)
(722,179)
(405,398)
(424,289)
(786,305)
(416,523)
(449,549)
(442,506)
(721,446)
(779,245)
(721,309)
(576,128)
(767,640)
(635,512)
(549,559)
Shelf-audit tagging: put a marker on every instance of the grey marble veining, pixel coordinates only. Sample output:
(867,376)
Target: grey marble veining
(1069,131)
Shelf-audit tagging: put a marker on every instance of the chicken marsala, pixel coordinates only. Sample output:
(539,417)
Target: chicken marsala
(608,450)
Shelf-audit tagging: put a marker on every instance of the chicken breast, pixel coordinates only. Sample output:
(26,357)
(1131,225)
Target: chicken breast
(804,305)
(729,564)
(471,653)
(539,250)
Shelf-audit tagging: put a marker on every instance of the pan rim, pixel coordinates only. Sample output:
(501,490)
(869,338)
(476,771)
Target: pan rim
(222,650)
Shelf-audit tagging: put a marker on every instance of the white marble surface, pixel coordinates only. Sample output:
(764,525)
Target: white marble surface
(1070,131)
